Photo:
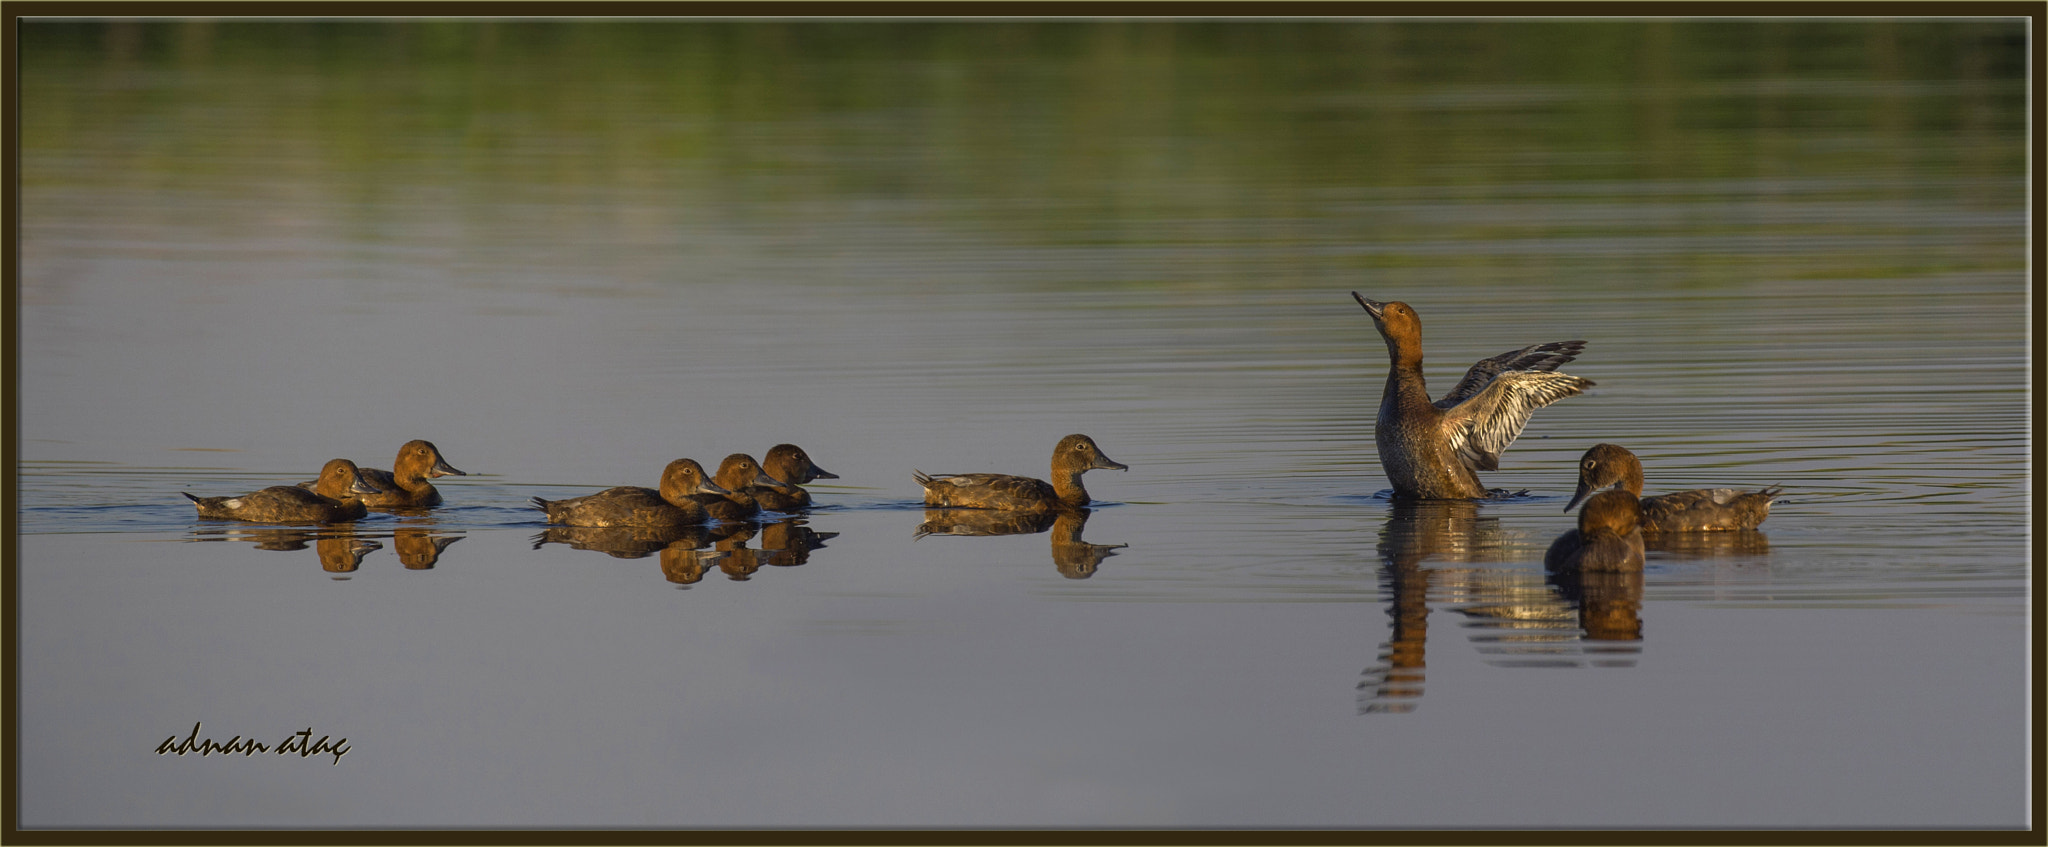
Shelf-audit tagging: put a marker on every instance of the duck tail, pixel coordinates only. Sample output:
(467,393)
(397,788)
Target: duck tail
(923,479)
(189,497)
(540,504)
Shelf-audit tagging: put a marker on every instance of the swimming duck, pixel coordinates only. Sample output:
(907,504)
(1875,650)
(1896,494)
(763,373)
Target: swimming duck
(791,467)
(407,488)
(1701,509)
(406,485)
(333,497)
(1436,450)
(740,476)
(1609,537)
(1076,454)
(626,505)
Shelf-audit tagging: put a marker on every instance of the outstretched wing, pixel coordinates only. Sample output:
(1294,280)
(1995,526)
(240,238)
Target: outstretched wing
(1484,425)
(1536,357)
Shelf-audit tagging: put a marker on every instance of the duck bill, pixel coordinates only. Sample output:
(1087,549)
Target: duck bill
(709,487)
(361,486)
(1372,307)
(820,473)
(763,480)
(442,468)
(1106,463)
(1585,490)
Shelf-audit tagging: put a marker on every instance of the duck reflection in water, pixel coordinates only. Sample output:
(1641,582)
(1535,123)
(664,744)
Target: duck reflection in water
(340,550)
(1610,603)
(1075,558)
(785,543)
(1450,553)
(419,548)
(684,556)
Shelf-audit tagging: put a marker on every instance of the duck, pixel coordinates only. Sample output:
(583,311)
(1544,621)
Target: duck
(1075,455)
(739,475)
(1609,537)
(1698,510)
(333,498)
(791,467)
(1435,450)
(406,485)
(673,505)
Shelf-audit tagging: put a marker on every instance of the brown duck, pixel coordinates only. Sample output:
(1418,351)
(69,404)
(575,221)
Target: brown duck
(628,505)
(332,498)
(791,467)
(740,476)
(1437,449)
(405,486)
(1609,537)
(1075,455)
(1701,509)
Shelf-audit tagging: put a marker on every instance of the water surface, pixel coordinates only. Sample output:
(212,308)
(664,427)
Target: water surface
(569,253)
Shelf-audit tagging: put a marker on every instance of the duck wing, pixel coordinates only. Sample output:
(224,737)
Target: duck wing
(1535,357)
(1483,426)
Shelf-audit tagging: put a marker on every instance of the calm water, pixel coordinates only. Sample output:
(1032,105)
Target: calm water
(570,253)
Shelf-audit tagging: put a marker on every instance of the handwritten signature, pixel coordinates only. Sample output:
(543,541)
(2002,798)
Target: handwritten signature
(300,742)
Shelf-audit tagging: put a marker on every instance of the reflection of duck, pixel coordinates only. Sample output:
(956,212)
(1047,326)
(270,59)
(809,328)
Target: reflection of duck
(791,467)
(674,505)
(788,543)
(333,498)
(739,475)
(625,542)
(419,549)
(1609,602)
(1702,509)
(1447,552)
(1734,544)
(736,559)
(340,550)
(1075,558)
(1074,455)
(1609,537)
(684,564)
(1436,450)
(406,485)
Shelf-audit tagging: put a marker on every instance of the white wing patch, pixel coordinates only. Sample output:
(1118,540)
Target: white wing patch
(1483,426)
